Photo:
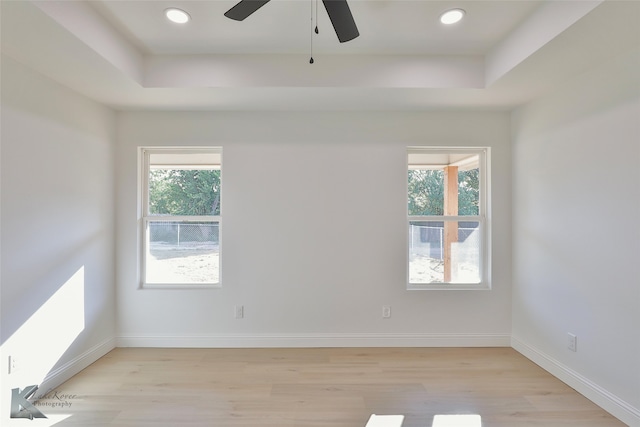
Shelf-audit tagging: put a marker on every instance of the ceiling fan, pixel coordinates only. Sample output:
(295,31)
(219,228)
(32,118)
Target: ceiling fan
(338,11)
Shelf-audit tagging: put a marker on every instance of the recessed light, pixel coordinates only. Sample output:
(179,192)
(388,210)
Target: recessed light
(452,16)
(178,16)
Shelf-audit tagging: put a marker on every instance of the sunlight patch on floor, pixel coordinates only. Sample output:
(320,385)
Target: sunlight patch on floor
(385,421)
(457,420)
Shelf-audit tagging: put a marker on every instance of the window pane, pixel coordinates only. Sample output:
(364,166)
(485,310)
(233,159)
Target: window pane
(184,192)
(469,192)
(183,252)
(444,252)
(426,192)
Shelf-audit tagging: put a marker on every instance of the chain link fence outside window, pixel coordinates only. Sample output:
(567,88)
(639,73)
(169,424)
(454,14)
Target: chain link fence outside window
(184,233)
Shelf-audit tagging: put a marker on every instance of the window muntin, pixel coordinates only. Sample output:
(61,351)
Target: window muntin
(448,245)
(181,217)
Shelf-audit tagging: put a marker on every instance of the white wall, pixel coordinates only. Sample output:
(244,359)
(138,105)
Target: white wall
(57,230)
(313,232)
(576,211)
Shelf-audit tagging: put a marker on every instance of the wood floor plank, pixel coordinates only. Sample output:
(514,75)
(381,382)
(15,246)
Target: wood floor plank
(325,387)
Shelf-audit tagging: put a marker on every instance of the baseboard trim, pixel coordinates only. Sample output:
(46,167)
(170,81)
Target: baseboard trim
(617,407)
(315,340)
(77,364)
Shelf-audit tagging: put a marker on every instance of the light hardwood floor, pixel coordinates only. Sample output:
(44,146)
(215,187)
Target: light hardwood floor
(332,387)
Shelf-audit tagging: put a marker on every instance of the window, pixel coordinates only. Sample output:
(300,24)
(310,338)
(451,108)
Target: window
(180,221)
(448,243)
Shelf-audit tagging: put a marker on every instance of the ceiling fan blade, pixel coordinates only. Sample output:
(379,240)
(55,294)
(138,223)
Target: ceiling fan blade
(244,8)
(342,19)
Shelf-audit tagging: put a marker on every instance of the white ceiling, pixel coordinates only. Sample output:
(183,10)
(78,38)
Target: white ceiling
(284,26)
(125,54)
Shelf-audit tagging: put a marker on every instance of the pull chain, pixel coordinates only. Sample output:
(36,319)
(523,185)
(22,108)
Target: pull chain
(311,61)
(311,38)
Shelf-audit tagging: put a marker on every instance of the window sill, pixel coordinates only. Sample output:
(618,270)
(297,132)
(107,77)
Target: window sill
(180,286)
(449,287)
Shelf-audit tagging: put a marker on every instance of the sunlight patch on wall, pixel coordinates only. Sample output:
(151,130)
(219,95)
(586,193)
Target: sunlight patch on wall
(39,343)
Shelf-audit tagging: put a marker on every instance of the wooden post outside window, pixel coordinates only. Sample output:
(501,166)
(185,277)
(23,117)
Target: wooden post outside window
(450,209)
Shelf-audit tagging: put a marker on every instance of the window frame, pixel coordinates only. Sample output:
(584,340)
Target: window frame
(145,217)
(483,218)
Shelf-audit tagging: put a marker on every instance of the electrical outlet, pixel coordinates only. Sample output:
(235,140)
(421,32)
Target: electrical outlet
(13,365)
(572,342)
(239,311)
(386,311)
